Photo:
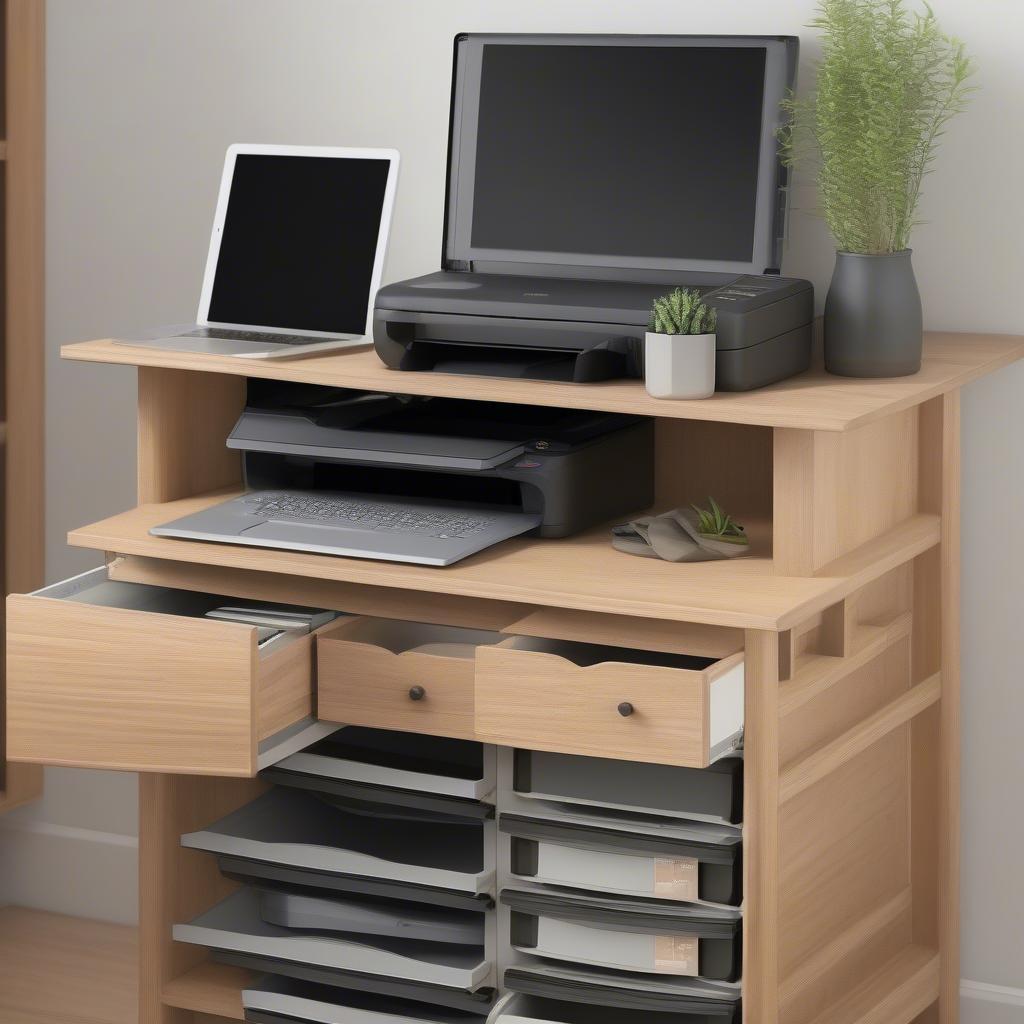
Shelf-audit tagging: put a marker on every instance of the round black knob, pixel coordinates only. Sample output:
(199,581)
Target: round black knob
(417,693)
(626,709)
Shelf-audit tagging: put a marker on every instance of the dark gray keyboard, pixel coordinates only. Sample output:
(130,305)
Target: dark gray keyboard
(372,515)
(223,334)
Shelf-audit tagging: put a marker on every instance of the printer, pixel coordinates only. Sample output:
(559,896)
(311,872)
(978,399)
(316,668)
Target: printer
(588,175)
(418,479)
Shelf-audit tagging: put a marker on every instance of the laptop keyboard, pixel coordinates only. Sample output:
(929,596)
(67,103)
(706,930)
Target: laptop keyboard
(370,515)
(223,334)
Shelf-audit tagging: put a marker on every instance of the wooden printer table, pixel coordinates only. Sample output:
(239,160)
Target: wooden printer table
(846,615)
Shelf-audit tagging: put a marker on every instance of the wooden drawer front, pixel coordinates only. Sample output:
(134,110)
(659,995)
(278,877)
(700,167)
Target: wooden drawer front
(365,678)
(103,687)
(541,701)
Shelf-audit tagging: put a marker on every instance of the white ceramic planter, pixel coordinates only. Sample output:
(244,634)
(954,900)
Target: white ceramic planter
(679,365)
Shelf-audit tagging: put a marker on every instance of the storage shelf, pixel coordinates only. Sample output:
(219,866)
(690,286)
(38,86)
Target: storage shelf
(582,572)
(812,401)
(209,988)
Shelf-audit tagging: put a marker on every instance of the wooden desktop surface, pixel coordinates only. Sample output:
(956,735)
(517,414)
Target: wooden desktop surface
(812,401)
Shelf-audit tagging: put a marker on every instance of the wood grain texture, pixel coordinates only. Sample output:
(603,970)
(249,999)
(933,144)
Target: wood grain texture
(582,572)
(836,491)
(362,684)
(285,686)
(812,401)
(832,756)
(176,884)
(356,599)
(112,688)
(761,835)
(184,419)
(24,307)
(209,988)
(545,702)
(66,970)
(623,631)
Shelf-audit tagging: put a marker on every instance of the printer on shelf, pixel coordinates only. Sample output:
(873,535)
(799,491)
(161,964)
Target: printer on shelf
(586,176)
(415,479)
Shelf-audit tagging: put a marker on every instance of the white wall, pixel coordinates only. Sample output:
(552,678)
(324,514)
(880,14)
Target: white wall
(145,95)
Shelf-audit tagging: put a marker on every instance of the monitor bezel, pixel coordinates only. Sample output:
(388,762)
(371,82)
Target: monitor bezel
(390,156)
(459,253)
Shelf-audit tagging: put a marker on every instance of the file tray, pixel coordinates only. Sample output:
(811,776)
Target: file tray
(410,848)
(652,937)
(277,1000)
(434,971)
(396,919)
(629,854)
(714,793)
(645,993)
(406,769)
(527,1009)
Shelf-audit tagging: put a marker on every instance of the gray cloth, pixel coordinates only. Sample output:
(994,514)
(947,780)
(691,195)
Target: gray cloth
(674,537)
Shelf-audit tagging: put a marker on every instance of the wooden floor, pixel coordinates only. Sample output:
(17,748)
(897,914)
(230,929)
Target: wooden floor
(65,970)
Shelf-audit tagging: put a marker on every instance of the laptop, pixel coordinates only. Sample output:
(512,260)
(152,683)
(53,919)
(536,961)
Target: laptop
(356,525)
(296,253)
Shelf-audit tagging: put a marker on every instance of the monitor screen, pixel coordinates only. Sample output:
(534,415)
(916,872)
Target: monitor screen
(627,152)
(299,242)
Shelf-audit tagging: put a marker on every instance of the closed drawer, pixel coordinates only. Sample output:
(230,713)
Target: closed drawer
(103,674)
(409,676)
(609,702)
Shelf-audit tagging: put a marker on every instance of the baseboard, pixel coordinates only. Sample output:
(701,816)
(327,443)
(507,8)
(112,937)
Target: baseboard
(981,1003)
(69,870)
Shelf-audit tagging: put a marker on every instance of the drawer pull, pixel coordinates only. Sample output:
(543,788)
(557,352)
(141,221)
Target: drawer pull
(626,709)
(417,693)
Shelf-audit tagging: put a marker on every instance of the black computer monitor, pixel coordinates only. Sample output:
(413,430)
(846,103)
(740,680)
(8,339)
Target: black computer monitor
(644,152)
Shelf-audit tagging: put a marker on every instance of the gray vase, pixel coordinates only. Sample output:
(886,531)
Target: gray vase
(873,316)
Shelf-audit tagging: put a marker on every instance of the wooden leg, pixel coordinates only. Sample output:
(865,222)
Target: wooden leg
(761,830)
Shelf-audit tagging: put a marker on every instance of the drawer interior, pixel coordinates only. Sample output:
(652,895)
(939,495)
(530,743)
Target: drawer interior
(396,760)
(586,654)
(399,636)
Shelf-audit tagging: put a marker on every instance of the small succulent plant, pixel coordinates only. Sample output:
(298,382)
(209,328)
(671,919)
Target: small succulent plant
(713,522)
(682,312)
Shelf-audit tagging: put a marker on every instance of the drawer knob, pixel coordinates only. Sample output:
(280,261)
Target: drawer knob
(626,709)
(417,693)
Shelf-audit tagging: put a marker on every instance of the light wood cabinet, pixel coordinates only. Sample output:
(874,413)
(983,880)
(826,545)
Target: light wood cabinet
(842,626)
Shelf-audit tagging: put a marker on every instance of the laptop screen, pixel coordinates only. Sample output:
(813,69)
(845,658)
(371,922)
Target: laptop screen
(299,242)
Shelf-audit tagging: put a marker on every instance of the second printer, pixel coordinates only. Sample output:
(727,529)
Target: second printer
(416,479)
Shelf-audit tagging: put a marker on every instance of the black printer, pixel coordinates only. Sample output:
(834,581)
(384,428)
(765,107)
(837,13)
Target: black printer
(586,176)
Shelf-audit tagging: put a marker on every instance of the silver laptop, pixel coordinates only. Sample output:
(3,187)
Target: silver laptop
(357,525)
(296,253)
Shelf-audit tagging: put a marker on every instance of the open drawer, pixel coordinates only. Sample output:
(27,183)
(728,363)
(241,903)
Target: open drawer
(612,702)
(103,674)
(392,674)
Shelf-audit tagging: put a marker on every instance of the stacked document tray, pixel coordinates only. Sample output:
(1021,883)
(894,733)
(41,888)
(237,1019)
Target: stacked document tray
(620,887)
(368,872)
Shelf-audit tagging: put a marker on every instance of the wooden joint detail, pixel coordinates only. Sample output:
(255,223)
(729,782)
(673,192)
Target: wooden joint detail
(820,672)
(825,760)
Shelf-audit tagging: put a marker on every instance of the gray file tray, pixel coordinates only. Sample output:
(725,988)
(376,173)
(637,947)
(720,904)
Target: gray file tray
(296,830)
(261,874)
(628,991)
(712,794)
(235,926)
(399,767)
(680,864)
(520,1008)
(386,918)
(287,1001)
(650,937)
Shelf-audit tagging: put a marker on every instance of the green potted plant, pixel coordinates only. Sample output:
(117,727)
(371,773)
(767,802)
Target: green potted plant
(679,348)
(888,82)
(714,524)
